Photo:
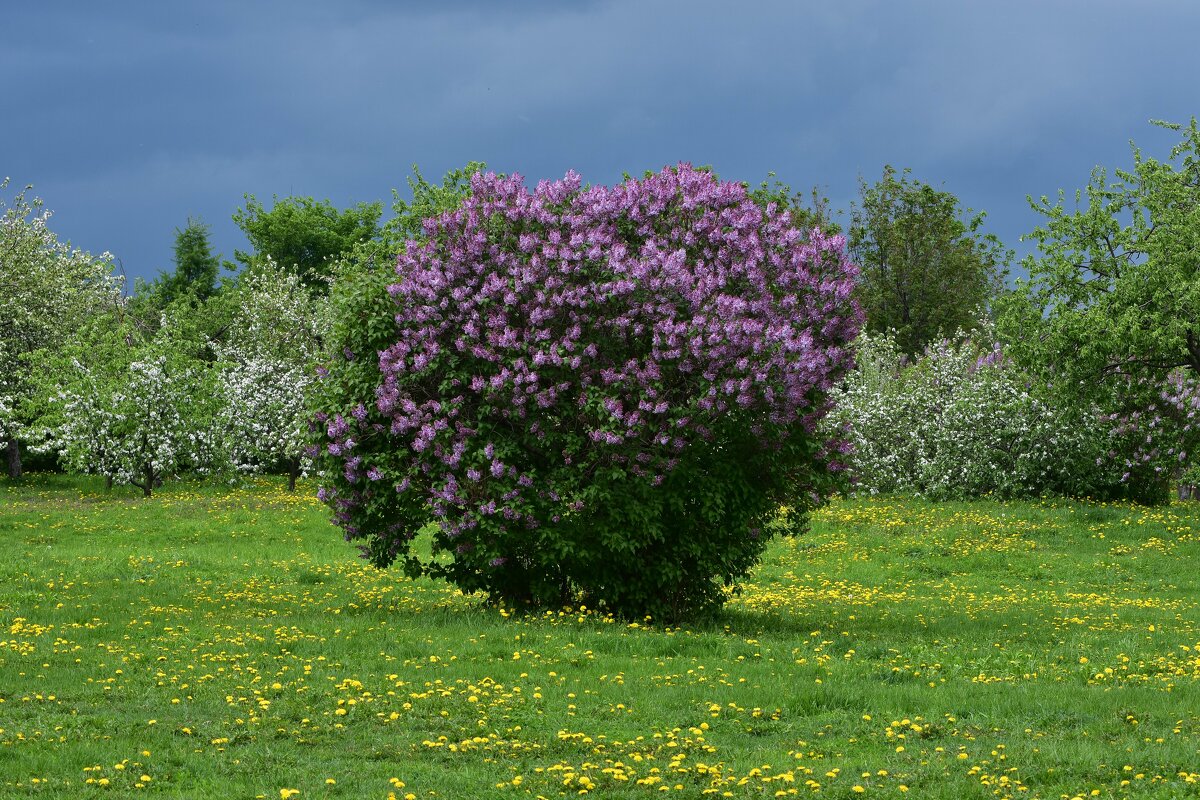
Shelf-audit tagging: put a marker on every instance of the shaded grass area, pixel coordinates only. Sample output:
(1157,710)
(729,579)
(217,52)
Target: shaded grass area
(222,642)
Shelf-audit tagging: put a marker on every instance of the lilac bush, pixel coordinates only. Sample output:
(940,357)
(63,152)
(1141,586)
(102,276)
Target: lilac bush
(1153,432)
(598,394)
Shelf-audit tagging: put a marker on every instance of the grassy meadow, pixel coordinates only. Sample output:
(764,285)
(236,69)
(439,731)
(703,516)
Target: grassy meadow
(213,642)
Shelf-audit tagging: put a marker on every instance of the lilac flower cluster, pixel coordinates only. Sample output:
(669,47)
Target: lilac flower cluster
(544,336)
(1152,442)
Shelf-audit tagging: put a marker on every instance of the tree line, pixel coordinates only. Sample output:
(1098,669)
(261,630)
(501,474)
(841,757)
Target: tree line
(87,370)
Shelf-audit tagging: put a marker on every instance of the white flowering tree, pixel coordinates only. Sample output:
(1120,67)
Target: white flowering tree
(132,402)
(7,409)
(962,421)
(269,357)
(80,423)
(47,290)
(158,429)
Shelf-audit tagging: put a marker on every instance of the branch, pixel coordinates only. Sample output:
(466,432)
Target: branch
(1117,368)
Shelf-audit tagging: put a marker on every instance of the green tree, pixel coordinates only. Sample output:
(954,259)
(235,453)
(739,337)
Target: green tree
(926,268)
(1118,277)
(1111,310)
(196,268)
(305,236)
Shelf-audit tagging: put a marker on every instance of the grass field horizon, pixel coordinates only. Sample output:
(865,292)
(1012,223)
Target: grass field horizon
(224,641)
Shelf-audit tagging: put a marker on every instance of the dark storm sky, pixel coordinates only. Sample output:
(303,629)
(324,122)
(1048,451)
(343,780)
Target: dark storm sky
(129,117)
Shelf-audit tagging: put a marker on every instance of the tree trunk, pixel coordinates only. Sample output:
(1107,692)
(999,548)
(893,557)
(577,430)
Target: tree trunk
(14,458)
(147,485)
(108,482)
(1188,492)
(293,472)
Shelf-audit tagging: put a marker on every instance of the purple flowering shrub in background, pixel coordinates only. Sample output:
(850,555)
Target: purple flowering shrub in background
(600,395)
(1153,432)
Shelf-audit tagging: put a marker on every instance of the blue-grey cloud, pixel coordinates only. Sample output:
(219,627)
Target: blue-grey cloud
(128,118)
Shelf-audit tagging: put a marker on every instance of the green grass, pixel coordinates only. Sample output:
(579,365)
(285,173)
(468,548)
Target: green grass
(227,643)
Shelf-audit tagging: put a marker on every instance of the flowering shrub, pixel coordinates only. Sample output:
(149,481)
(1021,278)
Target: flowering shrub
(133,409)
(964,421)
(1150,444)
(599,394)
(268,365)
(1182,398)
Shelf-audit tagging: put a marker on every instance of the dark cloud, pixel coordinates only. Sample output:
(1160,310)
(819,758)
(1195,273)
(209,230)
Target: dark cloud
(129,118)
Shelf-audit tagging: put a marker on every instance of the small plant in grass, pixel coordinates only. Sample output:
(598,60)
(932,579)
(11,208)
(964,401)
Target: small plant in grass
(599,394)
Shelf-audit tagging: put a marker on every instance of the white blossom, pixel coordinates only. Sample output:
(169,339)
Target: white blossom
(136,411)
(47,289)
(268,366)
(960,422)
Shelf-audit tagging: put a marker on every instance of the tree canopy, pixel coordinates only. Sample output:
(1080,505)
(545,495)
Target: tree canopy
(927,270)
(47,289)
(1117,280)
(305,236)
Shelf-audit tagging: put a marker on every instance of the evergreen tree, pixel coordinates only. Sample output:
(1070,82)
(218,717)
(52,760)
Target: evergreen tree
(196,268)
